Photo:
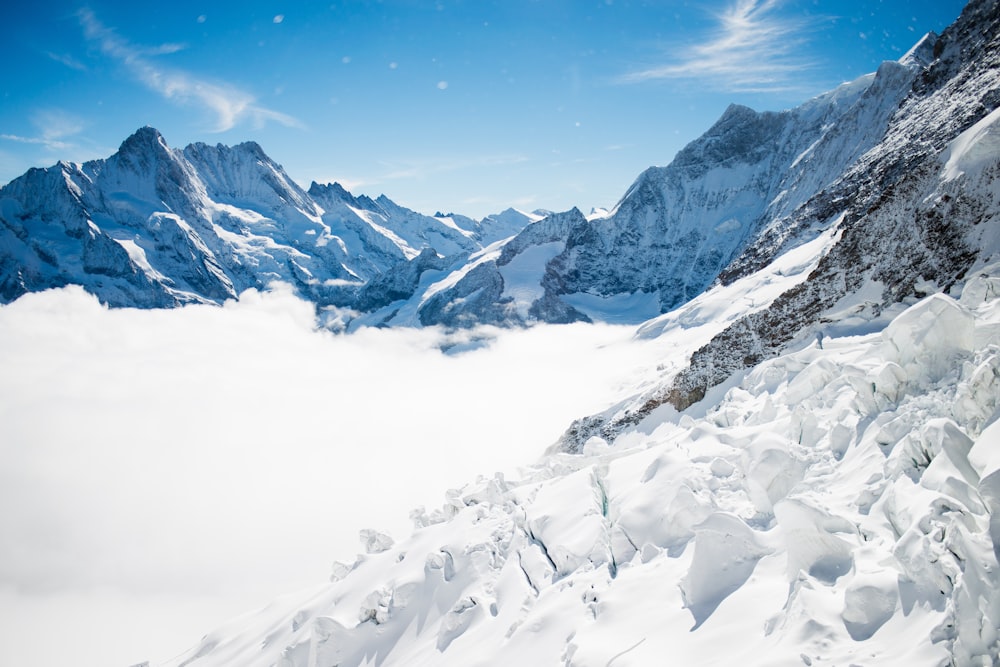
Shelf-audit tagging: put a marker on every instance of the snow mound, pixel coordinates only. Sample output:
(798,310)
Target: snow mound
(926,340)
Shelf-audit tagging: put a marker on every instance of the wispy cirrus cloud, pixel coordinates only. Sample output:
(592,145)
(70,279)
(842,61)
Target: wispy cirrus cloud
(752,49)
(54,126)
(41,141)
(229,104)
(409,169)
(67,60)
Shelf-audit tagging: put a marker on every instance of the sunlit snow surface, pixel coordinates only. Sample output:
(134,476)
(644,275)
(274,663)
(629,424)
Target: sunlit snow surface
(832,507)
(162,471)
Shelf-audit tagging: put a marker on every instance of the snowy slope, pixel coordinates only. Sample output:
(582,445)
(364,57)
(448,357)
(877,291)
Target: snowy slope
(832,505)
(806,473)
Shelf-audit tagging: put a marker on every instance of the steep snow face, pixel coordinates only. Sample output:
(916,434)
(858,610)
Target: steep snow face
(47,238)
(505,224)
(143,177)
(505,284)
(441,233)
(245,176)
(834,505)
(381,233)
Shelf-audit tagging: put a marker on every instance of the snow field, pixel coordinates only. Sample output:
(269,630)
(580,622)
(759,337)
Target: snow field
(835,506)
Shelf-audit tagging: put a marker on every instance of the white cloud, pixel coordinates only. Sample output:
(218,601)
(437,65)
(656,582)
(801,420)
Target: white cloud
(415,169)
(57,124)
(67,60)
(214,458)
(54,127)
(229,104)
(752,50)
(48,143)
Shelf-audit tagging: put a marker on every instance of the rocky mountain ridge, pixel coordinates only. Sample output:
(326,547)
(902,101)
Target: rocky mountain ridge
(153,226)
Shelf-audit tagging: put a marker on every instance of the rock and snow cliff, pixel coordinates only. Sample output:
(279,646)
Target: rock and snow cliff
(914,214)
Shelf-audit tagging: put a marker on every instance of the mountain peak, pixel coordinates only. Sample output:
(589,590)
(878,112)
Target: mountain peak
(145,138)
(254,149)
(734,112)
(336,188)
(921,53)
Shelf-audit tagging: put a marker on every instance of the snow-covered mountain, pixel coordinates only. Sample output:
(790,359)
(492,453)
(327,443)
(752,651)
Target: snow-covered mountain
(678,227)
(154,226)
(915,214)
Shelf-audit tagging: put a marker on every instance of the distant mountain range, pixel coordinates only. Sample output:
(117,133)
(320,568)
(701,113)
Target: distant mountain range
(152,226)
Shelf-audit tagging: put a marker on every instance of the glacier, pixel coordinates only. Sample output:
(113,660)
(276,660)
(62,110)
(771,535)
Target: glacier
(831,505)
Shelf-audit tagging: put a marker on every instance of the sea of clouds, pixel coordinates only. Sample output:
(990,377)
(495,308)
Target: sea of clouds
(164,470)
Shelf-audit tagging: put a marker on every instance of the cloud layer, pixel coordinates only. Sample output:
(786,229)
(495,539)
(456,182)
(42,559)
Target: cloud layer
(212,458)
(54,127)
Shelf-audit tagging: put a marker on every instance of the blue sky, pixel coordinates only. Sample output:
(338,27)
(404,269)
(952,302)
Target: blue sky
(451,105)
